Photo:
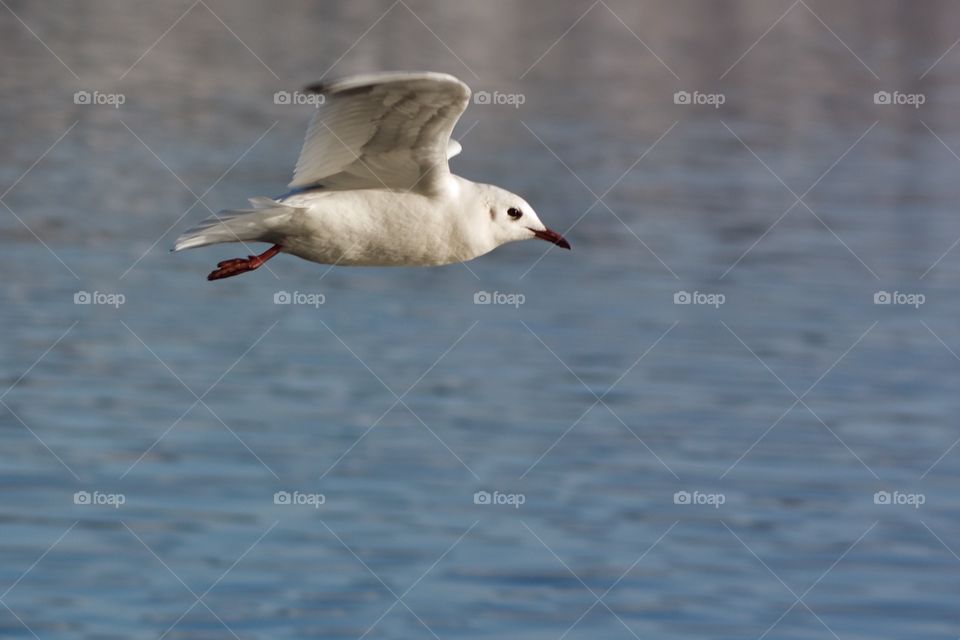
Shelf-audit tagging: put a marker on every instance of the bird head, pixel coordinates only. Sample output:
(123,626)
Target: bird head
(511,218)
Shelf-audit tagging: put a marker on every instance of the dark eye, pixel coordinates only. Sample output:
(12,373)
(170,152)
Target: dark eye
(514,213)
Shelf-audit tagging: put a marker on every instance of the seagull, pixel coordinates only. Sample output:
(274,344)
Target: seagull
(372,186)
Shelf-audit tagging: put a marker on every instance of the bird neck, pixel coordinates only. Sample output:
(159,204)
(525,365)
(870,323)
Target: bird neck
(470,213)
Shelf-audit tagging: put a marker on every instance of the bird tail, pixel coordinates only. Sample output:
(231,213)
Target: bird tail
(238,225)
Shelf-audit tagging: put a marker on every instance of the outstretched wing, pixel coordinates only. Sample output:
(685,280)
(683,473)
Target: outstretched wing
(382,130)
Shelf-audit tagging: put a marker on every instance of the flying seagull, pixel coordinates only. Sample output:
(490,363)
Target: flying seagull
(372,186)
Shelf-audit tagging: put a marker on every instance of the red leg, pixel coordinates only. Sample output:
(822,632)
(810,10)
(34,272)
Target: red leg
(235,267)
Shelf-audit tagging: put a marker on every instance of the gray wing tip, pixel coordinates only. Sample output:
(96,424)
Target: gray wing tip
(361,83)
(317,87)
(331,87)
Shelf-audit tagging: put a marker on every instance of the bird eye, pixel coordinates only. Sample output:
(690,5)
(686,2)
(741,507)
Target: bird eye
(514,213)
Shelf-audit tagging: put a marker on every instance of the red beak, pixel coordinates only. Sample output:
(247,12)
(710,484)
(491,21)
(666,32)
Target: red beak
(551,236)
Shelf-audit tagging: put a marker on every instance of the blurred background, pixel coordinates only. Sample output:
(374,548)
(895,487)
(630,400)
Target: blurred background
(729,412)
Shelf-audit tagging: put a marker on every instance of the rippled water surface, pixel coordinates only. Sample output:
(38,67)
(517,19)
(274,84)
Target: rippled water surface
(685,471)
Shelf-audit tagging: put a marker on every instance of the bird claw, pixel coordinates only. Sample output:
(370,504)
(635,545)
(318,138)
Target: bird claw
(233,262)
(236,266)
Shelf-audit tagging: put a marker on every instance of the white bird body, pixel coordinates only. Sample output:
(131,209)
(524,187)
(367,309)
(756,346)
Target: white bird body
(433,226)
(372,186)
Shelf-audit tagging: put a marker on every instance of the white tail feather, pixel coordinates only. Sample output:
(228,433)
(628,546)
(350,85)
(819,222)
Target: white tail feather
(237,225)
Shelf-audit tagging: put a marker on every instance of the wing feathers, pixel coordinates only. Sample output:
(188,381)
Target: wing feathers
(388,129)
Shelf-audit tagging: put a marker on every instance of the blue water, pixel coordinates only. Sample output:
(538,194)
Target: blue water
(595,404)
